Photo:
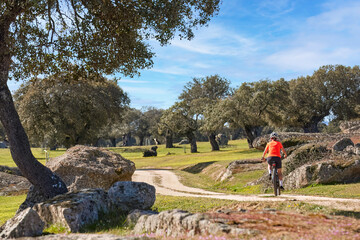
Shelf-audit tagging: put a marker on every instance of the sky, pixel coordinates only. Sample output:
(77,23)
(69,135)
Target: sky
(249,41)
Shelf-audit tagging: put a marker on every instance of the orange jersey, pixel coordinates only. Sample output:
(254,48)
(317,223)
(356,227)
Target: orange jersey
(273,148)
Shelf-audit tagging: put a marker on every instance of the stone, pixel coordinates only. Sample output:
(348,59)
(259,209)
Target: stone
(151,153)
(342,144)
(25,224)
(74,210)
(324,173)
(181,224)
(134,216)
(11,184)
(352,126)
(127,196)
(238,166)
(84,237)
(91,167)
(222,139)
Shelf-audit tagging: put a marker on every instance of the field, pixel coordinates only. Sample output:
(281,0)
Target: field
(198,170)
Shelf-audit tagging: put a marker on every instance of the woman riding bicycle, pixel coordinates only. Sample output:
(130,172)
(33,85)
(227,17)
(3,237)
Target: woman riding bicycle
(274,148)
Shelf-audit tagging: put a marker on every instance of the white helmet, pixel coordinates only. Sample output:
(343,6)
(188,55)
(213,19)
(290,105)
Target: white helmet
(274,135)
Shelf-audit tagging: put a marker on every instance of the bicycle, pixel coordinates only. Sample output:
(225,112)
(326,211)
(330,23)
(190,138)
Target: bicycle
(275,180)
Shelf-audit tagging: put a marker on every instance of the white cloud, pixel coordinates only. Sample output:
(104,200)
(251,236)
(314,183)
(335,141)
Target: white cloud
(328,38)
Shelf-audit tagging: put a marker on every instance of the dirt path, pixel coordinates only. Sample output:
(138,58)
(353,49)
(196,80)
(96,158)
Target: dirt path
(167,183)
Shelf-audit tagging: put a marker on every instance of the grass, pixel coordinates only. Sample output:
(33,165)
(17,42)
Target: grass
(331,190)
(8,206)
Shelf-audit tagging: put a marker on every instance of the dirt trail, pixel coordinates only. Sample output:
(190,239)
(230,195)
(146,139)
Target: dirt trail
(167,183)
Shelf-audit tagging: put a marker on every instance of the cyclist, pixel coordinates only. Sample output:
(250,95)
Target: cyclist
(273,149)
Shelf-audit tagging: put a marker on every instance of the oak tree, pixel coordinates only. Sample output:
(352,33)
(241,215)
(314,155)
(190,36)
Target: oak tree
(43,37)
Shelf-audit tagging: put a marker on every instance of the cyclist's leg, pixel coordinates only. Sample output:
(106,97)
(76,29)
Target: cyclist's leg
(279,170)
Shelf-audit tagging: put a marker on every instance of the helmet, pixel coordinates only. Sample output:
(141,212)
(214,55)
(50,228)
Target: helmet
(274,135)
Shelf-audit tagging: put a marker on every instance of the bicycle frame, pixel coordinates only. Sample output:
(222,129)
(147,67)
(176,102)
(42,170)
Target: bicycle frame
(275,180)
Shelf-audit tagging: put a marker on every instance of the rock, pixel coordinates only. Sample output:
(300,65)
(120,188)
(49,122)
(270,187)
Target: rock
(238,166)
(90,167)
(10,170)
(34,196)
(25,224)
(74,210)
(350,126)
(84,237)
(289,139)
(305,154)
(127,196)
(183,225)
(13,184)
(134,216)
(342,144)
(4,144)
(151,153)
(324,173)
(222,139)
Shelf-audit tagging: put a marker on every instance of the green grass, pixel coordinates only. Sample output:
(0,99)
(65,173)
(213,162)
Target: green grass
(6,159)
(8,206)
(331,190)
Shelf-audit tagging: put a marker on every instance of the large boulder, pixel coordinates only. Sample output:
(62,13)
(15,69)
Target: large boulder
(91,167)
(342,144)
(240,166)
(180,224)
(127,196)
(305,154)
(25,224)
(74,210)
(11,184)
(350,126)
(290,139)
(324,173)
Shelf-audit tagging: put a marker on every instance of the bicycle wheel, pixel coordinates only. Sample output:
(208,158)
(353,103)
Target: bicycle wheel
(275,182)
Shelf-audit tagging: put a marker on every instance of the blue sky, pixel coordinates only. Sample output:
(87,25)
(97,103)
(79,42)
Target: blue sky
(252,40)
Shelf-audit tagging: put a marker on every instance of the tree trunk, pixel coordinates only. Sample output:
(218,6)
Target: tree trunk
(126,139)
(312,126)
(113,141)
(192,141)
(213,142)
(168,139)
(43,179)
(251,133)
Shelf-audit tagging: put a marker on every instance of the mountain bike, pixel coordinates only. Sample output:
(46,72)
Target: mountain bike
(275,180)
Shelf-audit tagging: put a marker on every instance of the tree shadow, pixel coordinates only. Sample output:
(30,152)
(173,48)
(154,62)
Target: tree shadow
(197,168)
(352,214)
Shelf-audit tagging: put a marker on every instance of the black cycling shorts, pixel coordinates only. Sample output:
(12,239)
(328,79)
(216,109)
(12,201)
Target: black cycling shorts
(276,160)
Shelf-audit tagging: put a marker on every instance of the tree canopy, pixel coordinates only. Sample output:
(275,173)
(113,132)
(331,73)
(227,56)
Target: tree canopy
(67,112)
(44,37)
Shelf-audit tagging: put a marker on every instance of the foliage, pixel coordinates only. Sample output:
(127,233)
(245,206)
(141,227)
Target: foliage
(103,37)
(61,110)
(254,105)
(331,90)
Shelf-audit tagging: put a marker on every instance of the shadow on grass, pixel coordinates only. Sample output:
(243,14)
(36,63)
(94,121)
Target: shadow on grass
(352,214)
(197,168)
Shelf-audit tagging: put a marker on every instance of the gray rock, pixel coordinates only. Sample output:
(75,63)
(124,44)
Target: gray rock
(90,167)
(25,224)
(13,184)
(324,173)
(342,144)
(128,196)
(238,166)
(182,225)
(350,126)
(83,237)
(74,210)
(133,217)
(222,139)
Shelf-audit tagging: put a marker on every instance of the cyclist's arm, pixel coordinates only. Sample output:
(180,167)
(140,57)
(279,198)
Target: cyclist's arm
(283,150)
(264,153)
